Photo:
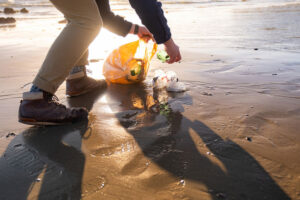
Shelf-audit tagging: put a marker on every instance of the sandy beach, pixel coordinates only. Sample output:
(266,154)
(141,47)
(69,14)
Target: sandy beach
(233,135)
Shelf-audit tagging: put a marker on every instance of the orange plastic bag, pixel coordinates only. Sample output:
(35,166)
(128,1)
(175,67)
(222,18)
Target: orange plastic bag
(129,63)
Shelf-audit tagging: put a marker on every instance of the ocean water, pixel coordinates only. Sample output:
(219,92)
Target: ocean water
(271,25)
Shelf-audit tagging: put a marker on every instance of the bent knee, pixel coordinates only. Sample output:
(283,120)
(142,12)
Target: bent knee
(96,23)
(93,24)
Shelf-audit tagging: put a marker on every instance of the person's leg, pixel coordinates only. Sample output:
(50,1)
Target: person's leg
(84,59)
(78,82)
(79,68)
(38,106)
(84,24)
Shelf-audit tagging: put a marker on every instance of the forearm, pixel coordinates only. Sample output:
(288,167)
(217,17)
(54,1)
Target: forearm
(112,22)
(152,16)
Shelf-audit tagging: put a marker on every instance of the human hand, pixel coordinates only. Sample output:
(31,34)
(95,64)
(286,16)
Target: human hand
(143,33)
(173,51)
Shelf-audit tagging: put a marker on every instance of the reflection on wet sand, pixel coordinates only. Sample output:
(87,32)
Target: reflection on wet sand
(44,162)
(171,141)
(179,157)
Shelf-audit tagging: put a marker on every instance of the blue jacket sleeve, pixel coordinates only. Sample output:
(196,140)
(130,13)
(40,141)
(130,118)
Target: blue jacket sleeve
(152,16)
(112,22)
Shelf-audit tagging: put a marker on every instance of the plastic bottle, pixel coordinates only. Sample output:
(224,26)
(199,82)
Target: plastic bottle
(163,56)
(160,79)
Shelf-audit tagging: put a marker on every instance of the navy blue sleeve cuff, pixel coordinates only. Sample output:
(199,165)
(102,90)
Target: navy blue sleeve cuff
(152,16)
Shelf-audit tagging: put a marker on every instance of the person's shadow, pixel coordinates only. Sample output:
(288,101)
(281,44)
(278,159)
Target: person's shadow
(46,162)
(49,159)
(168,139)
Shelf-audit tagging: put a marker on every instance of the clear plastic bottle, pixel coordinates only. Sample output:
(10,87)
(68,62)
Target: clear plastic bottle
(163,56)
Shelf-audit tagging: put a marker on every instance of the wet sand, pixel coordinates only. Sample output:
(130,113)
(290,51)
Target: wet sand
(235,134)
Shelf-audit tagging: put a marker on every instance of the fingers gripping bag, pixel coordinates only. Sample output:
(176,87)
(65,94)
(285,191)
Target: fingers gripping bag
(129,63)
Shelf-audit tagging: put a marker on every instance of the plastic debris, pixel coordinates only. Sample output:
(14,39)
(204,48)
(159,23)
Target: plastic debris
(160,79)
(172,76)
(129,63)
(163,56)
(168,81)
(182,182)
(176,87)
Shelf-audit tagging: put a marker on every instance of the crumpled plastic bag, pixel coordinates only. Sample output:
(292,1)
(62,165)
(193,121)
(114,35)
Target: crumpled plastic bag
(167,80)
(129,63)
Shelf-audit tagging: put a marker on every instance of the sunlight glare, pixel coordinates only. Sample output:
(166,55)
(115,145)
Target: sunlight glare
(101,47)
(106,107)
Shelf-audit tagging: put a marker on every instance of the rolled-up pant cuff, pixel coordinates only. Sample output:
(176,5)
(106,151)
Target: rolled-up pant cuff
(44,85)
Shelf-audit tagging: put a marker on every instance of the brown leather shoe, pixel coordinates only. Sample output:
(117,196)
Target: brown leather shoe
(79,83)
(41,108)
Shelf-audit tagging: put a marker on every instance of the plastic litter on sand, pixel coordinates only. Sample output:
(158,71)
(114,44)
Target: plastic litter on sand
(168,81)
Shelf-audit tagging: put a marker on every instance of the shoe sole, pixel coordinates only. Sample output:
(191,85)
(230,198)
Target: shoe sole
(34,122)
(76,94)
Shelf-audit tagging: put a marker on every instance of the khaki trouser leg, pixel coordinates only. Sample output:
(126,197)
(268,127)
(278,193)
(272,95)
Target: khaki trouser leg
(70,47)
(84,59)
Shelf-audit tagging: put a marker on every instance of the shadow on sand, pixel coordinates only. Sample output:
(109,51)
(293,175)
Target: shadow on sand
(47,159)
(53,155)
(169,139)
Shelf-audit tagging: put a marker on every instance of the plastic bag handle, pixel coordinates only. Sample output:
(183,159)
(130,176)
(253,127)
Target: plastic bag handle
(154,48)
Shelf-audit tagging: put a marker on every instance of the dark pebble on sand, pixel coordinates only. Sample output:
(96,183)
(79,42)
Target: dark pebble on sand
(9,11)
(221,196)
(249,139)
(24,10)
(7,20)
(255,49)
(129,114)
(17,145)
(126,123)
(10,134)
(206,94)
